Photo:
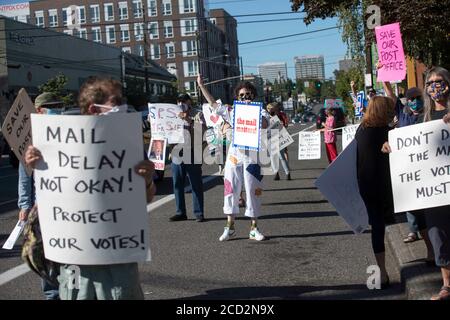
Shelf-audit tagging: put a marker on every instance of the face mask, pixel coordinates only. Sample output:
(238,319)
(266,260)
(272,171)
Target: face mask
(437,90)
(116,109)
(245,96)
(415,105)
(404,101)
(54,111)
(183,106)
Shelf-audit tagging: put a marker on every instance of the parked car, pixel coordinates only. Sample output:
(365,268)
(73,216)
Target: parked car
(296,119)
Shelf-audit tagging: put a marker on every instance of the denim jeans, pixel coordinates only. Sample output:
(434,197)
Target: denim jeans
(179,173)
(416,221)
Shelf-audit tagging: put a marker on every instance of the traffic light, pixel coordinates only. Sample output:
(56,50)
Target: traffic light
(318,84)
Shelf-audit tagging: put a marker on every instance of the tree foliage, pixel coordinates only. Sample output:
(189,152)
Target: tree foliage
(343,79)
(425,25)
(57,86)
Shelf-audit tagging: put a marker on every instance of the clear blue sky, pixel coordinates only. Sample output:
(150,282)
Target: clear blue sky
(328,43)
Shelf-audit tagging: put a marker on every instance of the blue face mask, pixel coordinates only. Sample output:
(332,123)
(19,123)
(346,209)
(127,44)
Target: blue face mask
(54,111)
(415,105)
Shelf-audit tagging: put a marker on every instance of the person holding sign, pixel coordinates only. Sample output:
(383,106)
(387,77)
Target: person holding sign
(240,167)
(100,96)
(274,111)
(191,168)
(373,173)
(330,136)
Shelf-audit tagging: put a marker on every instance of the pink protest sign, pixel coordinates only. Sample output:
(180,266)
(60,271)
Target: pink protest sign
(390,52)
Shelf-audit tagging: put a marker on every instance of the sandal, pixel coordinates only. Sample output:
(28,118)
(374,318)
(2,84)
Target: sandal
(411,237)
(444,294)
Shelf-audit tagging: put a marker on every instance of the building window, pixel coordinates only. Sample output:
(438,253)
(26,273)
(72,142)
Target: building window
(189,48)
(172,68)
(124,33)
(188,27)
(137,9)
(186,6)
(139,31)
(167,7)
(95,13)
(64,16)
(213,20)
(96,34)
(53,18)
(81,15)
(153,30)
(109,11)
(155,51)
(69,32)
(191,88)
(168,29)
(123,11)
(139,50)
(190,68)
(170,50)
(82,33)
(152,8)
(40,18)
(110,34)
(126,49)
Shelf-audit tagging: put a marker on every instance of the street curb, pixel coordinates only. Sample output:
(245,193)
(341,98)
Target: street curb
(419,281)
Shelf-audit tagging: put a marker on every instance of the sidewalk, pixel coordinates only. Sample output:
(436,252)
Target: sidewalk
(419,280)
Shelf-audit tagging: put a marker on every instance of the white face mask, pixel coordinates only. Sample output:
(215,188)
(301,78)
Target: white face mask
(116,109)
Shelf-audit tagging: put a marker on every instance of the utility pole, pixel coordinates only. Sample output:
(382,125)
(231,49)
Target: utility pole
(197,38)
(146,88)
(242,69)
(122,71)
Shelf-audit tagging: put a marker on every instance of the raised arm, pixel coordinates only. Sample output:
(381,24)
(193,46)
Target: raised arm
(205,92)
(387,85)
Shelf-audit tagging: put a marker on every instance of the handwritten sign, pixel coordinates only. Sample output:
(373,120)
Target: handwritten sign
(390,52)
(420,167)
(309,145)
(157,153)
(212,119)
(359,104)
(17,126)
(92,205)
(247,125)
(348,134)
(339,184)
(165,123)
(279,134)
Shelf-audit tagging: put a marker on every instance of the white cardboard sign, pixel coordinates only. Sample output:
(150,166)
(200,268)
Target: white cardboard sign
(247,125)
(91,203)
(420,165)
(309,145)
(165,123)
(348,134)
(212,119)
(339,184)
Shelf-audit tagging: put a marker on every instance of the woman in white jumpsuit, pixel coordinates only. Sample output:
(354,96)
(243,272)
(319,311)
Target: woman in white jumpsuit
(241,167)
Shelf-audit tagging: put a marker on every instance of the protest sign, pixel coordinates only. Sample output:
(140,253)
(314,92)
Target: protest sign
(212,119)
(165,123)
(17,126)
(339,184)
(390,53)
(420,168)
(309,145)
(348,134)
(333,103)
(359,104)
(247,125)
(92,204)
(157,153)
(279,133)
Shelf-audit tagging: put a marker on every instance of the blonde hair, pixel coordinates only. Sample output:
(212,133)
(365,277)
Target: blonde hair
(379,113)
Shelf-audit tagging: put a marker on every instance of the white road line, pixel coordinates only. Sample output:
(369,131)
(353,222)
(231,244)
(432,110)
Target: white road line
(13,273)
(20,270)
(9,201)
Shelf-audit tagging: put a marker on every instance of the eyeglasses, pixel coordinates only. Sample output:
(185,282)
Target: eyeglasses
(440,83)
(245,96)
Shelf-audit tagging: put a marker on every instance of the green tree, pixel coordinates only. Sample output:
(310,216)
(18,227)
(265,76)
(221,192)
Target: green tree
(343,79)
(424,24)
(57,86)
(328,90)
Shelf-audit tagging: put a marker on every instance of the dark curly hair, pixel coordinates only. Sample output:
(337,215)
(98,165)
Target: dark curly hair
(247,85)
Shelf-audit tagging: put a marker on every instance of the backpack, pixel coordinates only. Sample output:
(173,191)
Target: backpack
(33,250)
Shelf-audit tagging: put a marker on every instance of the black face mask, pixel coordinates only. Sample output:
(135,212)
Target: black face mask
(245,96)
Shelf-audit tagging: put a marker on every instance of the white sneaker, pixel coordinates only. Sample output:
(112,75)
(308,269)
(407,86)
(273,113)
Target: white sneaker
(256,235)
(227,233)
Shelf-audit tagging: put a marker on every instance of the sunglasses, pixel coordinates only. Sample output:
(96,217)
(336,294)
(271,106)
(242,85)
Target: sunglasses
(246,96)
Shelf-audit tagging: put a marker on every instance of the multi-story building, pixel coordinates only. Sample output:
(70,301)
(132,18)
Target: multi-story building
(310,67)
(16,11)
(176,34)
(272,71)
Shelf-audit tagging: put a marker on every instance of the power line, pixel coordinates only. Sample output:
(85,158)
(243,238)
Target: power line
(288,36)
